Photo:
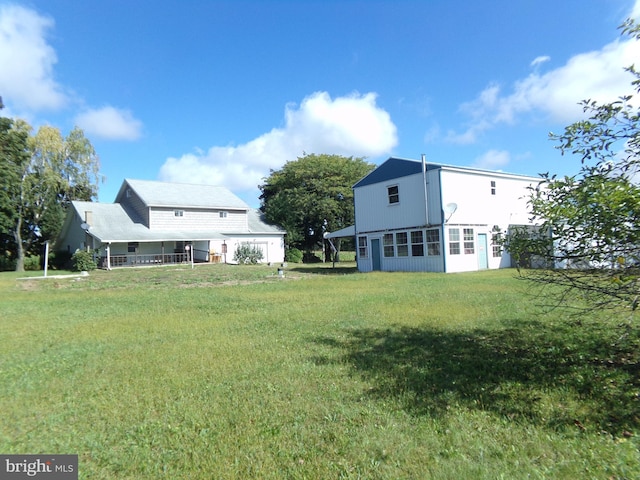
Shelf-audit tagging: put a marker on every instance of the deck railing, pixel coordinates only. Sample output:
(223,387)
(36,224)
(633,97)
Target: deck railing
(134,260)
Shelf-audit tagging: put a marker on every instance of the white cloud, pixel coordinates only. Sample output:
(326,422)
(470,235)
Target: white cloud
(540,60)
(493,160)
(352,125)
(26,75)
(598,75)
(109,123)
(635,11)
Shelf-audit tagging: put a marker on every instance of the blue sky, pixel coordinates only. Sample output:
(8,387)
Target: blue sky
(220,92)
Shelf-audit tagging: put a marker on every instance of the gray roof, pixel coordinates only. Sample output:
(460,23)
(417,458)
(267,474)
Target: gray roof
(258,223)
(164,194)
(110,223)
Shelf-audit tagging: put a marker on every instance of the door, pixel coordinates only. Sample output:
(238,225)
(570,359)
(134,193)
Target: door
(483,259)
(375,253)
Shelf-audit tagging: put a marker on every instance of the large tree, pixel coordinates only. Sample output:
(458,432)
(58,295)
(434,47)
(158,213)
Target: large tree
(589,233)
(41,174)
(312,195)
(13,157)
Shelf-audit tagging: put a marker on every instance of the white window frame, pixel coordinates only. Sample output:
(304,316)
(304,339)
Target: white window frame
(393,194)
(402,244)
(454,241)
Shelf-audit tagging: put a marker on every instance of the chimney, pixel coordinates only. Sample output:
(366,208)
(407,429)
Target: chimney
(88,217)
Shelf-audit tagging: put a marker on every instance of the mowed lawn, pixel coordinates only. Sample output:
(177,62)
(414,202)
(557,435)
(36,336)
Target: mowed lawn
(223,372)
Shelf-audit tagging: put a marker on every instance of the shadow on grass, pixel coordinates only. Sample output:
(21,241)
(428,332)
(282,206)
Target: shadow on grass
(584,377)
(326,269)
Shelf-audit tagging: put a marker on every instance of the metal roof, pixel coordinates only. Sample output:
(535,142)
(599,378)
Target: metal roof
(394,168)
(111,223)
(165,194)
(349,231)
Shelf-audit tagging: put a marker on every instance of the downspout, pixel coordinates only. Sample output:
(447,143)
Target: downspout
(424,183)
(442,220)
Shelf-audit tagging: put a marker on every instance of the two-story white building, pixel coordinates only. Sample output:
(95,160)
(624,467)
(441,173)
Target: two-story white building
(157,222)
(416,216)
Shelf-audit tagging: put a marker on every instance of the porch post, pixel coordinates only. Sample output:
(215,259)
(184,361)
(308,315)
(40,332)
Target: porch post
(108,250)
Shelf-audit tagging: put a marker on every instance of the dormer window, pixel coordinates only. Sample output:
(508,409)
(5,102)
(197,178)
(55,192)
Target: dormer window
(178,213)
(394,194)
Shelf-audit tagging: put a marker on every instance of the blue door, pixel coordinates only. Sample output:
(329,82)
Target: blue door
(375,253)
(483,259)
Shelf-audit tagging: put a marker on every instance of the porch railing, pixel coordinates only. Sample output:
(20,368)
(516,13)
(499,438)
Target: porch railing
(133,260)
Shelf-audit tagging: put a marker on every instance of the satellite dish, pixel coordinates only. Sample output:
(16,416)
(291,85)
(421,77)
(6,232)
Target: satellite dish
(450,209)
(84,226)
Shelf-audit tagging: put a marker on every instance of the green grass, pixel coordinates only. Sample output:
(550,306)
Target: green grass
(231,372)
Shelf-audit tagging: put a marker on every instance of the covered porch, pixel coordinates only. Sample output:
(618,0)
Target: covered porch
(171,252)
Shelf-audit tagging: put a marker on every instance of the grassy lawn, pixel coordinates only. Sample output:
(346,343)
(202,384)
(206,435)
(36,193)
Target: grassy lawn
(232,372)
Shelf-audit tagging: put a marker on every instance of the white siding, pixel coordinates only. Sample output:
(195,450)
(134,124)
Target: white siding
(165,219)
(75,237)
(374,212)
(409,262)
(272,246)
(487,203)
(471,191)
(481,210)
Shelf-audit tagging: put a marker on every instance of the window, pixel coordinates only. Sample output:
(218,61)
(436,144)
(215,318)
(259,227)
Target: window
(223,214)
(468,241)
(496,242)
(394,194)
(132,247)
(417,244)
(433,242)
(387,241)
(178,213)
(493,187)
(401,244)
(454,241)
(128,193)
(362,247)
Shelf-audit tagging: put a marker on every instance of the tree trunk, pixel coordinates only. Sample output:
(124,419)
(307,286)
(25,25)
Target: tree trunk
(19,247)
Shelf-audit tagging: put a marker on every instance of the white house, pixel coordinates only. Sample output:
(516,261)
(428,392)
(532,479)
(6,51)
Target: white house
(417,216)
(157,222)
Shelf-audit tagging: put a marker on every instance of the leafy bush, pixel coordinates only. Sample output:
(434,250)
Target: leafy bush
(247,253)
(7,264)
(32,263)
(293,255)
(83,261)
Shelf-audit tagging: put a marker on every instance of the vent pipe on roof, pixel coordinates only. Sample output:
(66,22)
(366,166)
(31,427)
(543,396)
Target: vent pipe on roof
(424,181)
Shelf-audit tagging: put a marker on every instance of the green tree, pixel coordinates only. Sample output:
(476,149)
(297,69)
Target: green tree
(589,231)
(44,172)
(13,158)
(312,195)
